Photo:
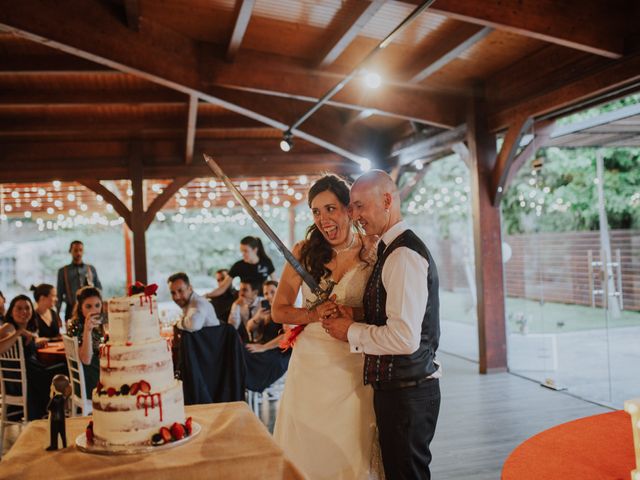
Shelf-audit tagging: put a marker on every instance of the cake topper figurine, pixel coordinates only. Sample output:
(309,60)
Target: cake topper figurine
(60,391)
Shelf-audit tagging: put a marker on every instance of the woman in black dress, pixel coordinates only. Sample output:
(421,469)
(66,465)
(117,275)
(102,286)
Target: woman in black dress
(255,266)
(46,321)
(87,323)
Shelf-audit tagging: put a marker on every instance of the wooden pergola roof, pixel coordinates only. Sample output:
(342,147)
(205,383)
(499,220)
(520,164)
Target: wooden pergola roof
(86,85)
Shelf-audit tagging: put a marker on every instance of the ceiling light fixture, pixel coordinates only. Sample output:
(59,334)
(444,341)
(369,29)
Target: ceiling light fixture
(286,144)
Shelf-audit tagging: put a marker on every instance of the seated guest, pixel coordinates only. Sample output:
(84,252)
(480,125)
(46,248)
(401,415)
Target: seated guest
(2,308)
(245,308)
(264,332)
(46,320)
(87,323)
(222,302)
(266,363)
(197,313)
(39,376)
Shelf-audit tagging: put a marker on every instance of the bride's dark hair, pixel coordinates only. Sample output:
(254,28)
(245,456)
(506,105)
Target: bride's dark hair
(316,251)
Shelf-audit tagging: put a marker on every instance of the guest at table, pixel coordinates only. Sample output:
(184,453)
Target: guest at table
(74,276)
(255,266)
(87,323)
(46,320)
(39,376)
(197,313)
(245,308)
(222,302)
(266,363)
(2,308)
(265,334)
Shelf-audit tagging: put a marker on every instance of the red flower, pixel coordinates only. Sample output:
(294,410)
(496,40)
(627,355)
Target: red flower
(150,289)
(290,337)
(140,287)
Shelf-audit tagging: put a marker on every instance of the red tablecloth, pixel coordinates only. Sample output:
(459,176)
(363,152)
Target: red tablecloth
(598,447)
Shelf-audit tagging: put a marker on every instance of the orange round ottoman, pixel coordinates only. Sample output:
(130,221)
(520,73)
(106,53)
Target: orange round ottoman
(598,447)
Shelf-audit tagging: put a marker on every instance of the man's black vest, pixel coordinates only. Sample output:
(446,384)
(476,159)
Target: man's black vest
(421,363)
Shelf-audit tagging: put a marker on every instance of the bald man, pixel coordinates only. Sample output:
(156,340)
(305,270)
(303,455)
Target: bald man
(400,335)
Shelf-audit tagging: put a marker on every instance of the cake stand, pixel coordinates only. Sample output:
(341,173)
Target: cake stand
(84,446)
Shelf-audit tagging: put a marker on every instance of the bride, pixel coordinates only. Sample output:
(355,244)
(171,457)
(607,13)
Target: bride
(325,422)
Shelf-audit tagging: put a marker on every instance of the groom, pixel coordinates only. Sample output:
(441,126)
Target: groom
(400,335)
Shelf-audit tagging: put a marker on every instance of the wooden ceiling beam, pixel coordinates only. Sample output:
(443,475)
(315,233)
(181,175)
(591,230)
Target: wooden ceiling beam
(594,27)
(157,54)
(595,84)
(235,166)
(452,51)
(192,116)
(243,15)
(276,76)
(343,39)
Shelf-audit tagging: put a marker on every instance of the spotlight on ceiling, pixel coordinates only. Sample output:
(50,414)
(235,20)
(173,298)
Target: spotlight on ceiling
(372,80)
(286,144)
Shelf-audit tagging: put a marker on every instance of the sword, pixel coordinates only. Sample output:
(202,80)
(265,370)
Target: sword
(322,294)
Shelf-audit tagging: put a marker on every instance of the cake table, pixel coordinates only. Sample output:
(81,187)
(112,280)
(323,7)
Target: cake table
(233,443)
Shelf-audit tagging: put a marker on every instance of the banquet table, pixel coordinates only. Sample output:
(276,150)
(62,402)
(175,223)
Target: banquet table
(233,444)
(597,447)
(53,353)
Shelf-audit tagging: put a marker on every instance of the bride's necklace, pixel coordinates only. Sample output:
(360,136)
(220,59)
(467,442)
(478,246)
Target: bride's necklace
(353,239)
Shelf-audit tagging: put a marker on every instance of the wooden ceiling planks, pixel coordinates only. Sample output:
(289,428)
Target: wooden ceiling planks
(539,57)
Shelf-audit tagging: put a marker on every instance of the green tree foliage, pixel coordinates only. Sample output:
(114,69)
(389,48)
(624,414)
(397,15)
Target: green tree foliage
(562,195)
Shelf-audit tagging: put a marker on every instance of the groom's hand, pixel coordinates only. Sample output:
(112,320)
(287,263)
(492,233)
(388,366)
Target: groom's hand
(337,327)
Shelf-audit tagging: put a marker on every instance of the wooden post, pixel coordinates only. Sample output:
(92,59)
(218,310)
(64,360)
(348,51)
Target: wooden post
(488,243)
(137,214)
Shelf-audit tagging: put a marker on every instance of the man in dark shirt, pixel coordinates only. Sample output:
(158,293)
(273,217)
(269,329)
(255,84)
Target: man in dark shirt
(222,303)
(74,276)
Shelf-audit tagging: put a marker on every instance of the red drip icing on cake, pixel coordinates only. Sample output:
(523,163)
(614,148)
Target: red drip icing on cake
(105,351)
(152,404)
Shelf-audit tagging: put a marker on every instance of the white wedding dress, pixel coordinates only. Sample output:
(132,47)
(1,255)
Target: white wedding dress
(326,423)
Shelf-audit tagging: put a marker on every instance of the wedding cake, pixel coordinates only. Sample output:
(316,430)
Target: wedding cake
(137,400)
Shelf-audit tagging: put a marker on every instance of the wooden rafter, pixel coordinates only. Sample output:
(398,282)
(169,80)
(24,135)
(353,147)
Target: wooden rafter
(243,15)
(541,132)
(505,157)
(109,197)
(161,200)
(451,53)
(608,78)
(192,116)
(593,27)
(345,37)
(423,146)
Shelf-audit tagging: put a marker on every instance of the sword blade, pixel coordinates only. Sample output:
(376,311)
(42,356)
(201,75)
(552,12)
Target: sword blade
(293,261)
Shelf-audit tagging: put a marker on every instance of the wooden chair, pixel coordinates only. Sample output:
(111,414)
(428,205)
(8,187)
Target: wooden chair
(13,382)
(79,400)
